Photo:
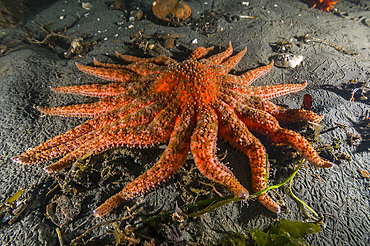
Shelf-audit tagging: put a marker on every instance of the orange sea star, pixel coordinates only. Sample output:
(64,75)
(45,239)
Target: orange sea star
(324,5)
(187,104)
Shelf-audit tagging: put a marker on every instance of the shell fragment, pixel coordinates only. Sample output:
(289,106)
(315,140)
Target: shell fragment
(287,60)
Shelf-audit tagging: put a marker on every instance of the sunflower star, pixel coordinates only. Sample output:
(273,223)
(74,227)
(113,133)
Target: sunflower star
(324,5)
(187,104)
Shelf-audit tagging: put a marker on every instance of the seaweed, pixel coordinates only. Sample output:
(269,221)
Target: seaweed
(284,232)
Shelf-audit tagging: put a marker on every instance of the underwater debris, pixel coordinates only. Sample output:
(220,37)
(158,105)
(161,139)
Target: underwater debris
(307,102)
(364,174)
(118,5)
(287,60)
(124,236)
(11,12)
(360,87)
(282,46)
(6,48)
(63,209)
(86,5)
(171,10)
(131,214)
(248,17)
(309,39)
(152,45)
(56,40)
(10,210)
(78,47)
(136,15)
(168,40)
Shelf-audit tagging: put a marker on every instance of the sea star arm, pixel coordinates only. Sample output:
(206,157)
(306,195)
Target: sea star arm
(85,133)
(153,133)
(199,53)
(32,155)
(169,163)
(203,148)
(270,91)
(140,68)
(234,131)
(274,90)
(159,60)
(99,90)
(141,116)
(266,124)
(284,115)
(250,76)
(89,109)
(145,69)
(111,74)
(220,57)
(229,63)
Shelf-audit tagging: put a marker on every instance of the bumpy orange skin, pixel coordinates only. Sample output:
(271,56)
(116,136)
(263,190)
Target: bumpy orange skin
(324,5)
(186,104)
